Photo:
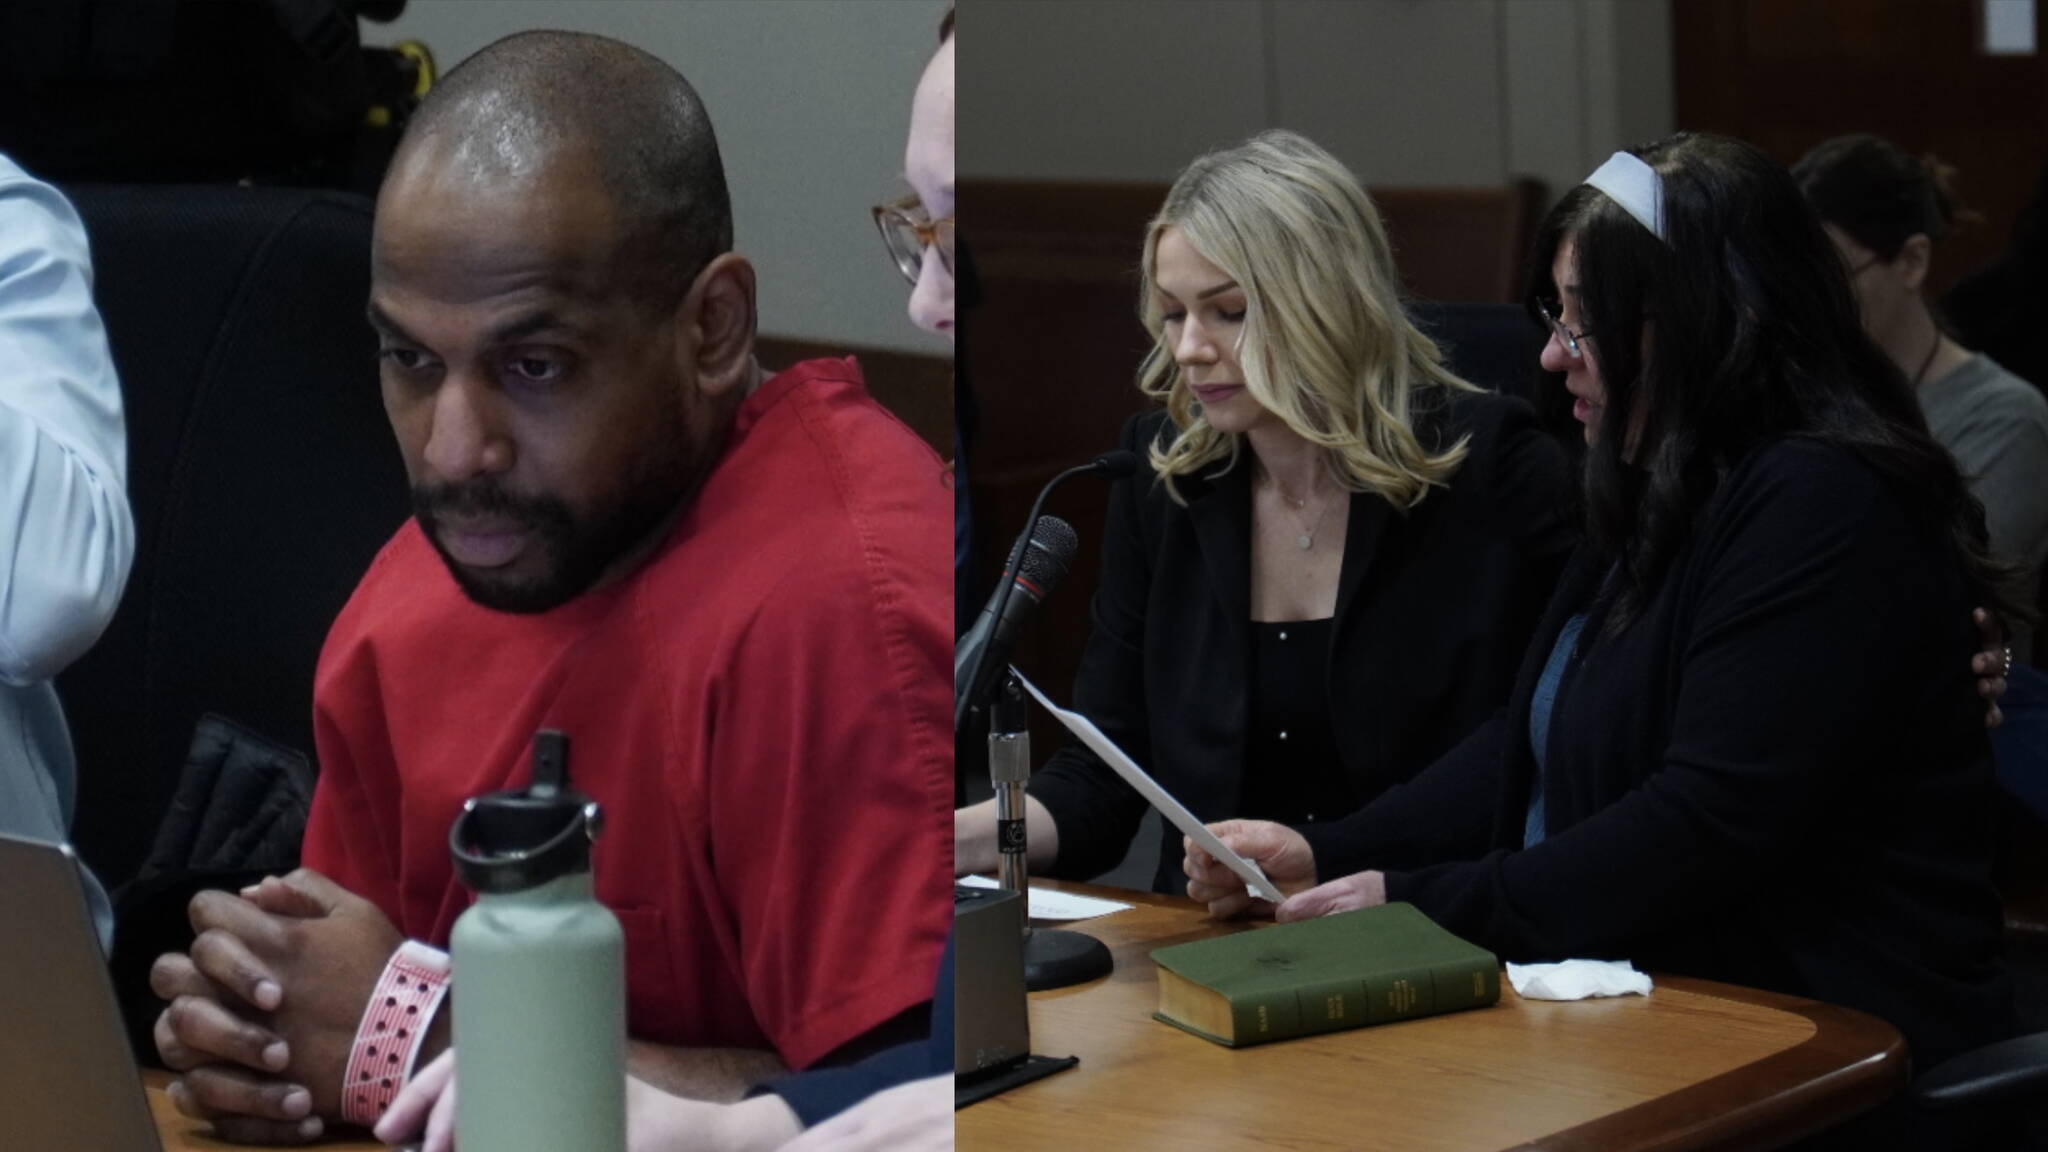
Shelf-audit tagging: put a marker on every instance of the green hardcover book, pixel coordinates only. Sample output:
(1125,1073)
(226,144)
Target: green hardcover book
(1345,971)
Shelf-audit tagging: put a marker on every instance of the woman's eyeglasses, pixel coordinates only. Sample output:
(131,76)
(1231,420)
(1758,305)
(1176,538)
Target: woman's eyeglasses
(1565,336)
(907,231)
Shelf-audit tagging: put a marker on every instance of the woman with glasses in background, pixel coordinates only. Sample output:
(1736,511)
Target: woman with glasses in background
(1743,745)
(1886,212)
(1336,555)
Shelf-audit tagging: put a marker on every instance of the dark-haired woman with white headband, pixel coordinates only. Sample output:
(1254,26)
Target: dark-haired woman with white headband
(1744,745)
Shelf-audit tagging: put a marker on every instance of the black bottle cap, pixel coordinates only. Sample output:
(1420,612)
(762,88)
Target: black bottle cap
(512,841)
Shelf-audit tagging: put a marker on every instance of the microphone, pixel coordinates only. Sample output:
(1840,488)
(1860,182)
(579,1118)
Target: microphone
(985,649)
(1115,464)
(983,653)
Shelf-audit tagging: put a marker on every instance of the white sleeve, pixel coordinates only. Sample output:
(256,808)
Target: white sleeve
(66,534)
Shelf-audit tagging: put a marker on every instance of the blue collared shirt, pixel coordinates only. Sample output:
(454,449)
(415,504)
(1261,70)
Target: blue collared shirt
(1541,705)
(67,537)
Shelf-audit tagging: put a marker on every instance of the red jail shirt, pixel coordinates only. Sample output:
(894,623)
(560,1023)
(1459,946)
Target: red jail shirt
(764,709)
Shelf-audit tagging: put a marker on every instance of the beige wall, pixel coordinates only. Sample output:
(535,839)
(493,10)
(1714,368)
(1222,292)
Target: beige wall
(1412,92)
(811,100)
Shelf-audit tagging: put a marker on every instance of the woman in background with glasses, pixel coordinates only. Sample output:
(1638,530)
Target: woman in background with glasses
(1328,571)
(1743,745)
(1886,211)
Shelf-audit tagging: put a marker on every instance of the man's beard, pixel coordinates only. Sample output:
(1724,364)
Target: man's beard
(576,552)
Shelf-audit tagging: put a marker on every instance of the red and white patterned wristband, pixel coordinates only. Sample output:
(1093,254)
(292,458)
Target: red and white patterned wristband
(395,1023)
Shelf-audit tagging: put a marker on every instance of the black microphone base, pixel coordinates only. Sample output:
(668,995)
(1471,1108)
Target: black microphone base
(1057,958)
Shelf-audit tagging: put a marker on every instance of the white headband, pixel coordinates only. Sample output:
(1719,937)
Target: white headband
(1636,187)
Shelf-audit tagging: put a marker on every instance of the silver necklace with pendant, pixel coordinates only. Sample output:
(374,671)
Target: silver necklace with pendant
(1306,540)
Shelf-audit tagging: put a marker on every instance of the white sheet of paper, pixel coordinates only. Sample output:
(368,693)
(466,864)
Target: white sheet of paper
(1048,904)
(1254,880)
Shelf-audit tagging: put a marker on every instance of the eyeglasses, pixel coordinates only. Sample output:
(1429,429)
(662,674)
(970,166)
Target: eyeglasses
(1855,270)
(1565,336)
(907,231)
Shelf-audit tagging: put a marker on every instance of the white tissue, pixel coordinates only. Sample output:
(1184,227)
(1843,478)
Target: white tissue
(1577,980)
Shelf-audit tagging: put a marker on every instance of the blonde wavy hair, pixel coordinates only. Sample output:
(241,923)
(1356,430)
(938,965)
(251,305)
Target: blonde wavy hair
(1326,345)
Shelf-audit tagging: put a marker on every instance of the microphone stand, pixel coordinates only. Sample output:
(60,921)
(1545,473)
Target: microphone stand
(1053,957)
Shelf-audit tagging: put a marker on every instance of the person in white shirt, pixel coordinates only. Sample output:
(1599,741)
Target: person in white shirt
(66,534)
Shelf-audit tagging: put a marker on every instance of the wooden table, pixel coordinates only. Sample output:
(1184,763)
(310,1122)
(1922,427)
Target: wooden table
(181,1133)
(1695,1065)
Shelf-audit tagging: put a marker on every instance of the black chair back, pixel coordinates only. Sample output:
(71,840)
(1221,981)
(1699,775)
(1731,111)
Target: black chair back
(261,469)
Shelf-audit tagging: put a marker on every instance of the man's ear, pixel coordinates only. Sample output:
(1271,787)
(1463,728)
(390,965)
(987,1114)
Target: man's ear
(1913,260)
(716,324)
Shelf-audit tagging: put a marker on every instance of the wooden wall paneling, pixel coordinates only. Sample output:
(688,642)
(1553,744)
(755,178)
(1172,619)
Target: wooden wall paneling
(1786,76)
(1051,355)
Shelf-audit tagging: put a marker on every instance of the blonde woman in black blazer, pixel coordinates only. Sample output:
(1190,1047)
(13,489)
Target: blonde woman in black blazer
(1329,569)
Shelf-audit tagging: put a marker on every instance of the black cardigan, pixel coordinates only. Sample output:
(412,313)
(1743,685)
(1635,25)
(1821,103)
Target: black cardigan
(1776,776)
(1434,607)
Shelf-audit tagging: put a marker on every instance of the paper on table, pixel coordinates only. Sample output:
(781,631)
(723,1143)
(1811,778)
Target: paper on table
(1049,904)
(1254,879)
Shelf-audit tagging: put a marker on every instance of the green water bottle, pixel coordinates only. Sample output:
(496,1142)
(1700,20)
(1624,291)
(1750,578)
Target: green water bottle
(539,973)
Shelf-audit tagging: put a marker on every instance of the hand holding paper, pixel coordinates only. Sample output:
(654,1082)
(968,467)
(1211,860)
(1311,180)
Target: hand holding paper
(1279,852)
(1158,797)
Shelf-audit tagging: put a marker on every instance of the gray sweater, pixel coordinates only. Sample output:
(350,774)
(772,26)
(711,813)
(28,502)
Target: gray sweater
(1996,426)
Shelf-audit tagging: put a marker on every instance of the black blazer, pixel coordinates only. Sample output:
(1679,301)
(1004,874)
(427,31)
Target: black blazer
(1776,776)
(1434,608)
